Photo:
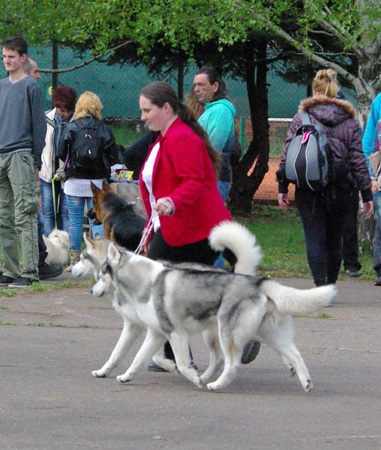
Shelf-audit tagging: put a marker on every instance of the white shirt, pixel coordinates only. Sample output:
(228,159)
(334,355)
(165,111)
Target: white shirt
(147,178)
(80,187)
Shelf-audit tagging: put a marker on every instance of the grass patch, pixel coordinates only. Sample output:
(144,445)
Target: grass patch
(324,316)
(128,132)
(84,325)
(5,322)
(280,234)
(47,287)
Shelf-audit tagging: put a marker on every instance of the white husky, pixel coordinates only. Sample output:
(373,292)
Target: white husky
(229,308)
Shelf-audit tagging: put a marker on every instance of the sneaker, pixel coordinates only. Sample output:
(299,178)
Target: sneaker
(250,352)
(153,367)
(22,283)
(377,281)
(5,280)
(352,273)
(46,271)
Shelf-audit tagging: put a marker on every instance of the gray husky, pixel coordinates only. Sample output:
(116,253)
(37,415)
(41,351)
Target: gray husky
(230,309)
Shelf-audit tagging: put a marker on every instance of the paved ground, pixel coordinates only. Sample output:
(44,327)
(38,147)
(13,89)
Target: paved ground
(49,400)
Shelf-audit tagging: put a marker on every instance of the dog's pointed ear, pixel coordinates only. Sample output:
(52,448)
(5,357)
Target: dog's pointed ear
(94,189)
(45,239)
(88,241)
(113,254)
(106,187)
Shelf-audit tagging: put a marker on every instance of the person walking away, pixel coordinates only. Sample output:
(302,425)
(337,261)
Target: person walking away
(323,212)
(88,150)
(370,144)
(22,138)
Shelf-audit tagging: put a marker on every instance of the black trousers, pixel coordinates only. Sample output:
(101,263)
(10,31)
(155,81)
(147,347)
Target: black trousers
(323,223)
(350,236)
(198,252)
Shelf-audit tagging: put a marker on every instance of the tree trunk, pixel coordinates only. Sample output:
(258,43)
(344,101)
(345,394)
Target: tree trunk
(244,184)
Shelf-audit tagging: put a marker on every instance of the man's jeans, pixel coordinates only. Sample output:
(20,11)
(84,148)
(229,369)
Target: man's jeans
(18,214)
(48,207)
(76,206)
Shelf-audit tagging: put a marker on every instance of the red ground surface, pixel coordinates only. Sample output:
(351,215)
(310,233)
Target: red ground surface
(268,190)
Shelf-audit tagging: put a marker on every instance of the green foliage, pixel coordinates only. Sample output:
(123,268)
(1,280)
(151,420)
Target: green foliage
(126,133)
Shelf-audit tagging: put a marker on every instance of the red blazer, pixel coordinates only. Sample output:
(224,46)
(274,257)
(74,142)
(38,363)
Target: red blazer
(184,172)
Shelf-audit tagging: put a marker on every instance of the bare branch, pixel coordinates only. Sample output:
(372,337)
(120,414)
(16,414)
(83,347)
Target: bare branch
(85,63)
(310,54)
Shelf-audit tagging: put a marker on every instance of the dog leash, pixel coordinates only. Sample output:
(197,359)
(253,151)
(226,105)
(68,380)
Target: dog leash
(146,232)
(54,199)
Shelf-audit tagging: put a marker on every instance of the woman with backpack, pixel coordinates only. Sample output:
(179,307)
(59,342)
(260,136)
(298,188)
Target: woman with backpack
(323,211)
(88,150)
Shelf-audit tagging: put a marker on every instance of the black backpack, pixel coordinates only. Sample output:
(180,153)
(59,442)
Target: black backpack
(86,149)
(307,157)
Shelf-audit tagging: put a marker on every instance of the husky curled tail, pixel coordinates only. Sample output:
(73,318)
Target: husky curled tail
(238,239)
(288,300)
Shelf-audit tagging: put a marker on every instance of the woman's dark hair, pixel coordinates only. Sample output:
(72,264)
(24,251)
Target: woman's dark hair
(159,93)
(64,97)
(212,75)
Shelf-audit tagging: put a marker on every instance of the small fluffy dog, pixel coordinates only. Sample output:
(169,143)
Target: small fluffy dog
(121,224)
(57,245)
(172,303)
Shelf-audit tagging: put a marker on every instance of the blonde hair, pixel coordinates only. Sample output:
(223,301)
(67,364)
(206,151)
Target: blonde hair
(88,104)
(325,83)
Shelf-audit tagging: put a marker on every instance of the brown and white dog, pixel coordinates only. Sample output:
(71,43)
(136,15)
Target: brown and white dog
(121,224)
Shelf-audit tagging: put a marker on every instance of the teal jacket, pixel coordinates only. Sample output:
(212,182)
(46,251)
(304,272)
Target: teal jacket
(370,135)
(218,122)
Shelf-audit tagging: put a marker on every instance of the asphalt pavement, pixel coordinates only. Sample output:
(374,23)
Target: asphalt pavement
(51,341)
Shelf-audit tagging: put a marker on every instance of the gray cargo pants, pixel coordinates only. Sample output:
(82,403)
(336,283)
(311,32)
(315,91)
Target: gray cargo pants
(18,214)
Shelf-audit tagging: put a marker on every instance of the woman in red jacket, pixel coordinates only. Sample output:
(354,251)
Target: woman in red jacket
(178,180)
(178,183)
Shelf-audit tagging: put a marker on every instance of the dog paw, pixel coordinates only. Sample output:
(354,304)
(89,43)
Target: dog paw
(123,378)
(292,371)
(213,386)
(98,373)
(308,386)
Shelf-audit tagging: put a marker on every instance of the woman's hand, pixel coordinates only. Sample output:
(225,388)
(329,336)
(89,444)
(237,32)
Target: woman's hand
(368,209)
(375,186)
(164,207)
(283,201)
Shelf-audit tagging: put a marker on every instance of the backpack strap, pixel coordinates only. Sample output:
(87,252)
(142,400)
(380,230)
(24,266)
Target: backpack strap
(305,118)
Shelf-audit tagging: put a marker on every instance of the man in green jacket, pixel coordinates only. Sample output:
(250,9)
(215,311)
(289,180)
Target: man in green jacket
(217,120)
